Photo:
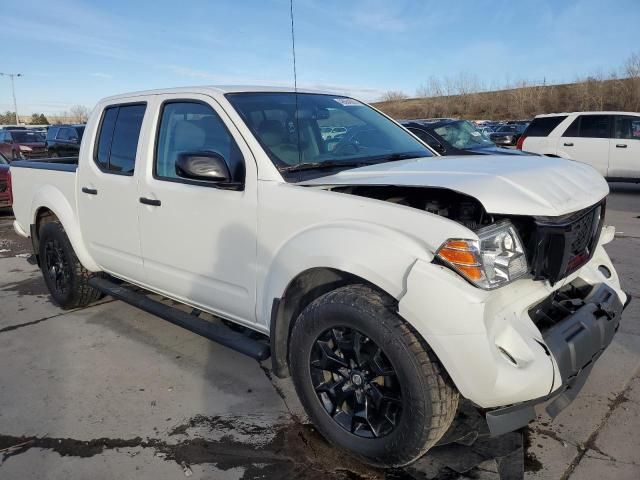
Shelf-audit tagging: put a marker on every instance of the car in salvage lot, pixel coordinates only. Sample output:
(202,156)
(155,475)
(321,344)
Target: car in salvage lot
(507,135)
(455,137)
(608,141)
(21,143)
(5,183)
(386,280)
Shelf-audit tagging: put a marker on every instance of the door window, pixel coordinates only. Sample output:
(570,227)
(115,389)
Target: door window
(118,138)
(627,127)
(194,127)
(63,134)
(594,126)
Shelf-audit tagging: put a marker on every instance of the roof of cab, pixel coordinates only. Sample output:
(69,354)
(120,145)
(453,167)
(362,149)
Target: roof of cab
(216,90)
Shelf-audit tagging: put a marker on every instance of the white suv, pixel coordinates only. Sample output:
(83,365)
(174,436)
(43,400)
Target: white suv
(608,141)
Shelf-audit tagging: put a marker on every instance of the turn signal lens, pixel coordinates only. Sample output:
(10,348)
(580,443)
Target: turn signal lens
(459,257)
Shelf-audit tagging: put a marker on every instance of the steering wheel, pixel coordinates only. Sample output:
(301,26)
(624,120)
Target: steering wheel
(346,147)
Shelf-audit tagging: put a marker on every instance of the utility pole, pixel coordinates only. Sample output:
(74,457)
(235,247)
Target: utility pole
(13,92)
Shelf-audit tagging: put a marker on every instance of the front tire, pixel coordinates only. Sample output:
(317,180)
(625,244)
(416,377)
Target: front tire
(66,278)
(368,382)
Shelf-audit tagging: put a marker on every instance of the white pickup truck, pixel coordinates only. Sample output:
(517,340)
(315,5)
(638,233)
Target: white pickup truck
(386,280)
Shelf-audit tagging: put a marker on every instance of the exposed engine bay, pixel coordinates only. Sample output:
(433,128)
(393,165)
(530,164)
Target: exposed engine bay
(440,201)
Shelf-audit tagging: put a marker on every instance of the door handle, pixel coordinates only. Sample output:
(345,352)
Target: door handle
(90,191)
(150,201)
(621,145)
(568,144)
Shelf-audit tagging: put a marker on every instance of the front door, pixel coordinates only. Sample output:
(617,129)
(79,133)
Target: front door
(108,192)
(199,237)
(624,147)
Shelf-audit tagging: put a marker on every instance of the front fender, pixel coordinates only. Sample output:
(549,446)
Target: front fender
(51,198)
(378,254)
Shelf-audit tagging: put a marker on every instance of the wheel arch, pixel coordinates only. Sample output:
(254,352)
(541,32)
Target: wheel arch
(50,204)
(303,289)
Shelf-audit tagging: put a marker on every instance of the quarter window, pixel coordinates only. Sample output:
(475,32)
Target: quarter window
(194,127)
(118,138)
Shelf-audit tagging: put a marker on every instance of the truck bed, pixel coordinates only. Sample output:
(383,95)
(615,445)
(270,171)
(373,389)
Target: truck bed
(42,182)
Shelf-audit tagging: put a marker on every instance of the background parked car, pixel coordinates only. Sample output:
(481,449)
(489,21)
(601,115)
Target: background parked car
(608,141)
(16,144)
(64,140)
(507,135)
(455,137)
(5,183)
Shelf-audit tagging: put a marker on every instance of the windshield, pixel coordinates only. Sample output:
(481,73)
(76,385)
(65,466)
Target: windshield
(27,137)
(316,131)
(3,160)
(463,135)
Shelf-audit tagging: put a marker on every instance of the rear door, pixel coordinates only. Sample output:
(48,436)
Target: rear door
(624,147)
(108,191)
(587,140)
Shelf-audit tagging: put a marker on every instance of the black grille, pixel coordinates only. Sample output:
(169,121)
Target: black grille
(562,245)
(3,185)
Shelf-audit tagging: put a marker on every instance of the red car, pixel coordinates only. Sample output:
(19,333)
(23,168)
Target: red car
(6,199)
(23,143)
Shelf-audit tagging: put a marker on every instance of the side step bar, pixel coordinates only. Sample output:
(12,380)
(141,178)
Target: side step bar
(218,333)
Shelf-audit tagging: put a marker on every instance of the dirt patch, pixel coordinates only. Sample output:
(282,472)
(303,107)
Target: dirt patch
(31,286)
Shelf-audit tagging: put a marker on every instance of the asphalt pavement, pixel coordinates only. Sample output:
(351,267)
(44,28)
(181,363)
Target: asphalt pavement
(111,392)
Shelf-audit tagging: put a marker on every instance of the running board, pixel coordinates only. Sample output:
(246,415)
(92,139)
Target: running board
(218,333)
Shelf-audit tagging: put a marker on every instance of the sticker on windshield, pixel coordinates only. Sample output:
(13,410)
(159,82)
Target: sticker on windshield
(347,102)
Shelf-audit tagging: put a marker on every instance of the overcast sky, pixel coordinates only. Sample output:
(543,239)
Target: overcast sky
(75,52)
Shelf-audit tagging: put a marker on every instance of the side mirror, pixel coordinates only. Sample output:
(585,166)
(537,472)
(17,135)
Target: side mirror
(207,166)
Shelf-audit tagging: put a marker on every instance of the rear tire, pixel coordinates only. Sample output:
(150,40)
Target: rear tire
(419,400)
(66,278)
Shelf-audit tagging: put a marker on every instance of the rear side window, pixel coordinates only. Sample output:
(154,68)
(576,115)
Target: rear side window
(594,126)
(589,126)
(574,129)
(118,138)
(543,126)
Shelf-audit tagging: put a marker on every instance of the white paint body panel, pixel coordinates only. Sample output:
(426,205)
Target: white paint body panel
(233,252)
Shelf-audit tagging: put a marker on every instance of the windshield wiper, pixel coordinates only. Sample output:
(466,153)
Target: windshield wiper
(394,157)
(323,165)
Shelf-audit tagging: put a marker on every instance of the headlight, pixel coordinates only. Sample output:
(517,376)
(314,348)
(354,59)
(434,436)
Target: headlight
(494,260)
(24,148)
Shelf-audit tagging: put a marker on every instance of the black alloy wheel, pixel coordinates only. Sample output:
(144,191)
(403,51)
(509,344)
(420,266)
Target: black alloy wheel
(56,266)
(356,383)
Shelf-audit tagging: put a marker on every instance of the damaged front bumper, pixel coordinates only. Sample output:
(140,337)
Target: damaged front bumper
(578,326)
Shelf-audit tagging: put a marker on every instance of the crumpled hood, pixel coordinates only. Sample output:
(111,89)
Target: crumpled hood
(522,185)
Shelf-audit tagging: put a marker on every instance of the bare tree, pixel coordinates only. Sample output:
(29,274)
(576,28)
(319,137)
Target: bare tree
(393,95)
(79,114)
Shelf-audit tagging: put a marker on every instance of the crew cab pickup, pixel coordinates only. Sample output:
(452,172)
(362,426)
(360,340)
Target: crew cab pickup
(387,281)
